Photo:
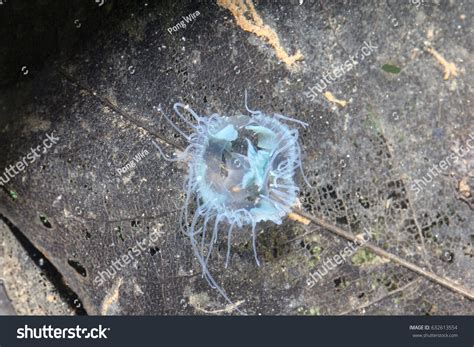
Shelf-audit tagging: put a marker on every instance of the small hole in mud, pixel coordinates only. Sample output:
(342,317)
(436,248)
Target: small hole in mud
(154,250)
(342,220)
(118,231)
(44,220)
(389,283)
(340,283)
(78,267)
(275,253)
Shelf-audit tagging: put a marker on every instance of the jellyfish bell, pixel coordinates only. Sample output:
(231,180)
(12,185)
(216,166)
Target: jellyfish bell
(245,169)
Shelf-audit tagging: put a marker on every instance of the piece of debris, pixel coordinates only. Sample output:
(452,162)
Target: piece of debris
(300,219)
(197,300)
(449,68)
(253,23)
(464,188)
(110,303)
(391,68)
(331,98)
(430,33)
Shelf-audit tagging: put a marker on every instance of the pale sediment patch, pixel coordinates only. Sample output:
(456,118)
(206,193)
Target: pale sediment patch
(249,20)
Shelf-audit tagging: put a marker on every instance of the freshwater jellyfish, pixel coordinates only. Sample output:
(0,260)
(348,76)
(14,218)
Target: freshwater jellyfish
(240,172)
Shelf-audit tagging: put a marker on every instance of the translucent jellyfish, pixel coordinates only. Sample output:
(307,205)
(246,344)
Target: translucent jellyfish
(241,171)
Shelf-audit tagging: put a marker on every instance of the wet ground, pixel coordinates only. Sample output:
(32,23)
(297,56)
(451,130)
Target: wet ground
(386,91)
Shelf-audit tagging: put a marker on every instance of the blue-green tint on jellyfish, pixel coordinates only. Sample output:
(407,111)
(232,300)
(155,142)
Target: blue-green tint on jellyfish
(241,172)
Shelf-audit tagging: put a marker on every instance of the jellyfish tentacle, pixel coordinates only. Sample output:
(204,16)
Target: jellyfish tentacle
(254,242)
(162,154)
(209,277)
(240,217)
(190,185)
(179,157)
(285,171)
(175,127)
(229,243)
(300,164)
(213,238)
(246,105)
(280,116)
(282,195)
(190,110)
(197,214)
(203,237)
(275,154)
(283,166)
(285,186)
(283,210)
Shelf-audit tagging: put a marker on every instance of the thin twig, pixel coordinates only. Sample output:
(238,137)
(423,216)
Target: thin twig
(105,101)
(370,303)
(448,283)
(228,309)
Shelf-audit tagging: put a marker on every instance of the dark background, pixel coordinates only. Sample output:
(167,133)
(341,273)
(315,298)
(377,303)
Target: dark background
(95,77)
